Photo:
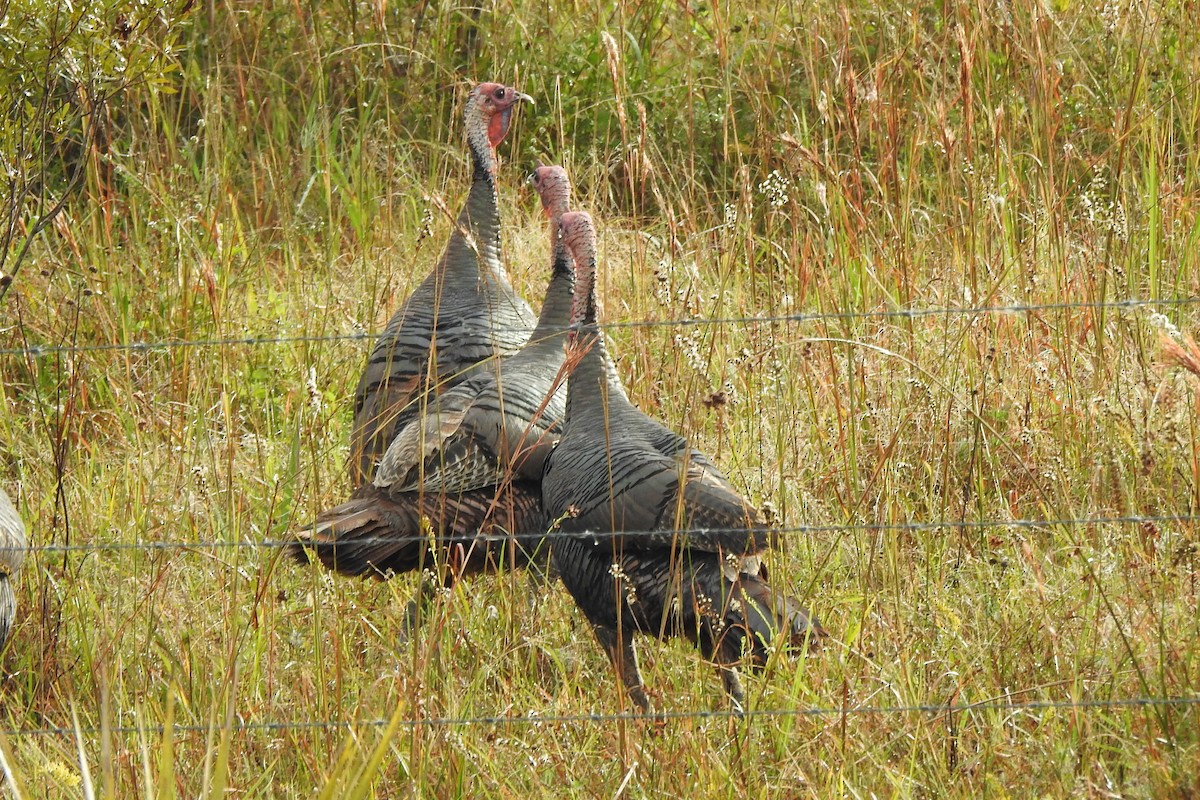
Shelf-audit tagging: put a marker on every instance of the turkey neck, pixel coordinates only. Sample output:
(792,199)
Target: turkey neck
(594,388)
(480,214)
(551,331)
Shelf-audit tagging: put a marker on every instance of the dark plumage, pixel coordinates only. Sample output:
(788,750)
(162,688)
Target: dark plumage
(463,313)
(12,556)
(654,538)
(382,534)
(460,485)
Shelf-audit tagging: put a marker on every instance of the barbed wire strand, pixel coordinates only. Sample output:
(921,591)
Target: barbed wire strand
(985,706)
(41,351)
(865,527)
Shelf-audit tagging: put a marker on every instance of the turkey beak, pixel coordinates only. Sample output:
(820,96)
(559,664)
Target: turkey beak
(523,98)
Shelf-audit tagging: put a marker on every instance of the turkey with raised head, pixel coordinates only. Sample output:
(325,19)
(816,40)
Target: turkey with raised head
(650,536)
(12,556)
(464,312)
(460,485)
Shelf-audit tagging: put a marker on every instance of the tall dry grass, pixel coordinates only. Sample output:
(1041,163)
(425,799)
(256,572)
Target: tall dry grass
(836,163)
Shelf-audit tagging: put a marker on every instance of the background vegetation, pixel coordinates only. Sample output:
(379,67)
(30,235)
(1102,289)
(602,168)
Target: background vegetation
(225,172)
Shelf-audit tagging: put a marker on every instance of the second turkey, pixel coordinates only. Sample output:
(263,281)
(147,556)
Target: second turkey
(651,538)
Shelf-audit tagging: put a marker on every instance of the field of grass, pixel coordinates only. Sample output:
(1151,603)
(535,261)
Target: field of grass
(987,501)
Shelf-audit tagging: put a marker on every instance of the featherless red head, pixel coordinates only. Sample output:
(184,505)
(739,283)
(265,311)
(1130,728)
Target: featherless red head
(554,188)
(490,106)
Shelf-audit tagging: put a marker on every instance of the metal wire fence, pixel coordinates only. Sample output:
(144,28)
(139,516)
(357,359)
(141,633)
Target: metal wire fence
(534,719)
(989,706)
(1047,525)
(885,315)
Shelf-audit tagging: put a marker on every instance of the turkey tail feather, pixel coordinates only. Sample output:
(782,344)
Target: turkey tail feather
(359,537)
(377,535)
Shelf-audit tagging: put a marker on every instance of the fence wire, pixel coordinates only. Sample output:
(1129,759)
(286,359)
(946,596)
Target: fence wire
(535,719)
(796,530)
(990,706)
(45,350)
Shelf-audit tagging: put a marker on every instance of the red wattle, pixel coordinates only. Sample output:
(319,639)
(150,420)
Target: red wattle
(498,126)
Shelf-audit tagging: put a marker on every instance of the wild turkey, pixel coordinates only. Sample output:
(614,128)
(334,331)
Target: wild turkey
(653,538)
(12,555)
(464,312)
(468,471)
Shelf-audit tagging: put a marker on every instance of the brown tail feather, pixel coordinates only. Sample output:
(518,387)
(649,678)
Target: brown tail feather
(376,534)
(363,536)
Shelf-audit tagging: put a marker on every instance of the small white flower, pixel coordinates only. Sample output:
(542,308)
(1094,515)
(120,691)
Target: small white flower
(426,229)
(1160,321)
(314,392)
(775,186)
(200,476)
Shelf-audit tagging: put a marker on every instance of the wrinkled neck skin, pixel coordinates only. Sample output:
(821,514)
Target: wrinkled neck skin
(480,215)
(595,371)
(483,157)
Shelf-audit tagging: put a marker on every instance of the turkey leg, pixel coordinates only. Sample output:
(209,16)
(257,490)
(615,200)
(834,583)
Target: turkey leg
(624,660)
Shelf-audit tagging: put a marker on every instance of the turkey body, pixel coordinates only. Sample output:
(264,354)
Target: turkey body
(463,313)
(651,538)
(730,613)
(12,556)
(459,486)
